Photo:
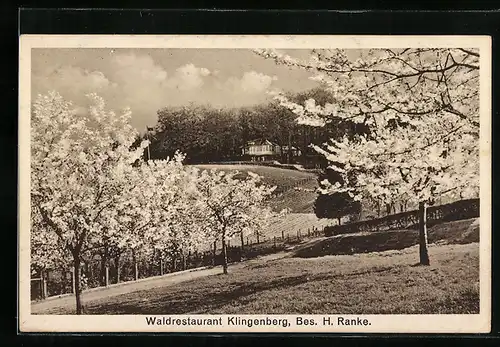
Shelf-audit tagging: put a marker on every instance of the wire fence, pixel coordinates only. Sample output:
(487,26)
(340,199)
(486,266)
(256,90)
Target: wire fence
(96,273)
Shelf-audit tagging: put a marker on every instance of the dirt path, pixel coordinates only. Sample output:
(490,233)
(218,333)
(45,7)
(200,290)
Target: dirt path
(41,307)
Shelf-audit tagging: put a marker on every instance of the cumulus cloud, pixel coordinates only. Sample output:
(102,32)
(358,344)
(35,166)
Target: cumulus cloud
(72,79)
(256,82)
(131,80)
(142,85)
(188,77)
(250,83)
(137,81)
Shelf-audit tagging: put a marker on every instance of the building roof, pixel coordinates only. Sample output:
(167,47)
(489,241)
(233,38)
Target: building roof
(260,142)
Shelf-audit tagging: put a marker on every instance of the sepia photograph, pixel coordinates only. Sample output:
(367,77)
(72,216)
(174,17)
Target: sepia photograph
(270,184)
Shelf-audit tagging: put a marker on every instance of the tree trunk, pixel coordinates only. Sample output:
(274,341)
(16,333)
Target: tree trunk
(422,226)
(136,270)
(242,239)
(183,261)
(103,271)
(289,153)
(214,255)
(78,290)
(388,208)
(224,254)
(174,262)
(117,266)
(304,146)
(43,285)
(104,264)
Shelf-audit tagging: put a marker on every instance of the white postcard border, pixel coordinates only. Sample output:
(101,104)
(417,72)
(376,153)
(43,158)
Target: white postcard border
(479,323)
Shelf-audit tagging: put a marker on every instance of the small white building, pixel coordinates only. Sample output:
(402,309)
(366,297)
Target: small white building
(262,150)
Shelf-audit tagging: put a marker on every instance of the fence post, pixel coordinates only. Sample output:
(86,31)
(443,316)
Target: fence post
(274,241)
(283,235)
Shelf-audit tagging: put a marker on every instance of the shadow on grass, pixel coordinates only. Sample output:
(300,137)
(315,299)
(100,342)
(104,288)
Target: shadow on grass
(205,299)
(452,232)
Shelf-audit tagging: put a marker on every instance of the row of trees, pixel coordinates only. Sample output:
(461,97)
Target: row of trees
(421,110)
(208,134)
(92,193)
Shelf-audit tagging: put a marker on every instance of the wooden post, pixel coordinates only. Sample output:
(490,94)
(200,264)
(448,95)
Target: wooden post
(257,238)
(106,275)
(283,235)
(136,271)
(274,241)
(298,236)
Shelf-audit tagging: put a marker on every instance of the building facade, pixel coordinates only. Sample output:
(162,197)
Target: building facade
(265,150)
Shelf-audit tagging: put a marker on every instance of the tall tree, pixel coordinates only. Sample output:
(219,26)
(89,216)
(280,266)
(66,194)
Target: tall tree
(422,108)
(336,205)
(77,164)
(232,204)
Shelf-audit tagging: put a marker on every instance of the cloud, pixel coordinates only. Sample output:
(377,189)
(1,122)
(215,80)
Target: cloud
(188,77)
(250,83)
(72,79)
(256,82)
(132,67)
(137,81)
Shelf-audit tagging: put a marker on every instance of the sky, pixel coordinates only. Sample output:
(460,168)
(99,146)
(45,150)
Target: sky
(147,80)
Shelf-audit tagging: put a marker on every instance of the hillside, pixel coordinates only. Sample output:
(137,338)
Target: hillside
(286,181)
(374,283)
(457,232)
(294,223)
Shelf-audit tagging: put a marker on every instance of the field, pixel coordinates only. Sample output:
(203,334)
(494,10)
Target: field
(374,283)
(457,232)
(291,227)
(295,224)
(387,282)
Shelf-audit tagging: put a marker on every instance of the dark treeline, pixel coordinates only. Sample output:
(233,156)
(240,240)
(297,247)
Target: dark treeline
(208,134)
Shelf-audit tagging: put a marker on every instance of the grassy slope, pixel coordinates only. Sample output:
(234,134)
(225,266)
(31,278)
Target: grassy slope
(374,283)
(297,201)
(296,222)
(462,231)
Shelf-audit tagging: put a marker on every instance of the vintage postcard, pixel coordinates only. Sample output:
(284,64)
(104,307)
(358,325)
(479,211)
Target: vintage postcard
(255,184)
